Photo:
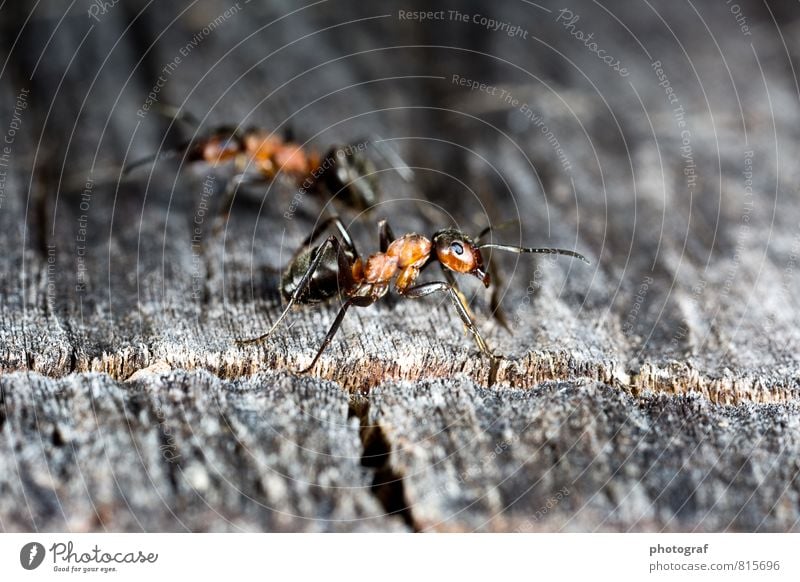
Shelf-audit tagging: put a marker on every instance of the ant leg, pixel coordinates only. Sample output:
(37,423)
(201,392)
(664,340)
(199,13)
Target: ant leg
(152,159)
(440,286)
(494,301)
(176,114)
(494,274)
(288,133)
(494,298)
(305,280)
(451,280)
(347,239)
(386,235)
(172,113)
(357,301)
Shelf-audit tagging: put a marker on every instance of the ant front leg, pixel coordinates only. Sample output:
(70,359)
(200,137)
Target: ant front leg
(451,280)
(440,286)
(330,243)
(386,236)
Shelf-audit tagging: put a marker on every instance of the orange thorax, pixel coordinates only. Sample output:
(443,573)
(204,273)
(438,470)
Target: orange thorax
(403,259)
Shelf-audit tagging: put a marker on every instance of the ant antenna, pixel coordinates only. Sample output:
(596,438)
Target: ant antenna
(521,250)
(173,113)
(500,226)
(391,157)
(177,114)
(150,159)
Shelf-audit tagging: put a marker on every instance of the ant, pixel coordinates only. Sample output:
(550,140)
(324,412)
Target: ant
(260,156)
(335,268)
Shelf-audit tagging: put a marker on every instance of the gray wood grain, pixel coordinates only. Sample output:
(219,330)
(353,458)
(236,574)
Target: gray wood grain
(182,452)
(656,389)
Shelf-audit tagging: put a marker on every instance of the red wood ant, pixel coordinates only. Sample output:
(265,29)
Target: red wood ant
(334,268)
(345,173)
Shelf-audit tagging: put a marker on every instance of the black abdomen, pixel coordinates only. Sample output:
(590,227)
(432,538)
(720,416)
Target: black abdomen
(324,282)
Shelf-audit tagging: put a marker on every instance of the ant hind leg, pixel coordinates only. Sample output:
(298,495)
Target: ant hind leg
(305,280)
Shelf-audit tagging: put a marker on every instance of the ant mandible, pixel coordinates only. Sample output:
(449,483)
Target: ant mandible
(334,268)
(260,156)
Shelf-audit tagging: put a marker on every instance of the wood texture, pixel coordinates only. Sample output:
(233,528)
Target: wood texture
(655,390)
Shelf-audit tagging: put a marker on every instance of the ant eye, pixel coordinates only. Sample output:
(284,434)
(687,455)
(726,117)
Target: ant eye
(457,248)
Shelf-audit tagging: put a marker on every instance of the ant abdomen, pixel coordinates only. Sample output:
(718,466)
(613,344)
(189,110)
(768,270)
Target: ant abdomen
(324,283)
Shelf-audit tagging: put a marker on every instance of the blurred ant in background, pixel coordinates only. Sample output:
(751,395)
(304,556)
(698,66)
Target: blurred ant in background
(335,269)
(345,174)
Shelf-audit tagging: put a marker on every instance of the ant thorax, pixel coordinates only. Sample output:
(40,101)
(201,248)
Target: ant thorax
(403,259)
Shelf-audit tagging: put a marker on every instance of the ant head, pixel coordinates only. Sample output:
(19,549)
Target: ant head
(459,253)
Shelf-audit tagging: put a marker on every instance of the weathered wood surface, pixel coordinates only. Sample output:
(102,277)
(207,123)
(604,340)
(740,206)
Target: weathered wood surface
(654,390)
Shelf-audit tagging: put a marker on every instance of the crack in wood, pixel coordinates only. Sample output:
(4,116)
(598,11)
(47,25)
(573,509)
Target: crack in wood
(387,484)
